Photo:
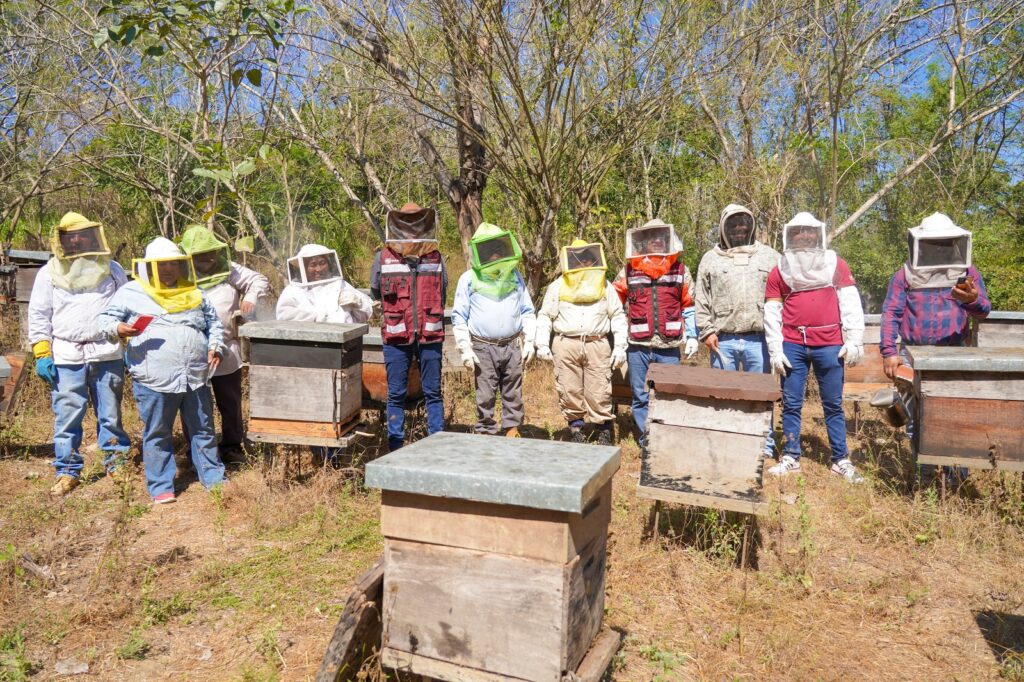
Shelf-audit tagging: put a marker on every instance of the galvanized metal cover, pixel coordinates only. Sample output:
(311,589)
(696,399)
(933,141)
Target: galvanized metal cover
(539,474)
(284,330)
(5,368)
(958,359)
(1004,316)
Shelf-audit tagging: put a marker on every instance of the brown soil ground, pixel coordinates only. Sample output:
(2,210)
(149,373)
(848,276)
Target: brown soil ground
(879,581)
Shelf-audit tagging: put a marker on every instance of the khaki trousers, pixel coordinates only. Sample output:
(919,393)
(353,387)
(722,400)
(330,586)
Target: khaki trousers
(583,376)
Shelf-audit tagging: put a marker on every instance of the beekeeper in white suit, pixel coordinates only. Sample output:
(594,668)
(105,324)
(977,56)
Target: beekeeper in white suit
(317,291)
(812,319)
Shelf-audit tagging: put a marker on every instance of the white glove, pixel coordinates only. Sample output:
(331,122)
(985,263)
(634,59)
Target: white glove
(528,352)
(690,348)
(544,353)
(464,342)
(348,298)
(780,363)
(618,357)
(469,359)
(852,352)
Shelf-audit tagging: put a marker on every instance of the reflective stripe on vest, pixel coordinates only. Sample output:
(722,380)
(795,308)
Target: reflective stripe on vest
(412,306)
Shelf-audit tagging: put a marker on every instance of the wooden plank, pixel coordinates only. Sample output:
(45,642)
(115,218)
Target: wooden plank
(705,382)
(431,668)
(303,394)
(972,429)
(583,608)
(712,464)
(868,370)
(502,529)
(358,631)
(316,355)
(599,657)
(971,463)
(495,613)
(287,427)
(978,385)
(24,281)
(736,416)
(711,501)
(19,363)
(1000,333)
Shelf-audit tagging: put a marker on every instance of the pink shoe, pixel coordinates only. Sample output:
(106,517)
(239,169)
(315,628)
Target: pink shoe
(164,498)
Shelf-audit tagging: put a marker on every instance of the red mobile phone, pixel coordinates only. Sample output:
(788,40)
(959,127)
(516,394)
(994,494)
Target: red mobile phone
(141,322)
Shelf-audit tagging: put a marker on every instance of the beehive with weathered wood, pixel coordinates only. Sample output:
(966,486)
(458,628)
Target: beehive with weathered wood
(706,433)
(305,381)
(494,555)
(868,375)
(27,265)
(970,406)
(1000,329)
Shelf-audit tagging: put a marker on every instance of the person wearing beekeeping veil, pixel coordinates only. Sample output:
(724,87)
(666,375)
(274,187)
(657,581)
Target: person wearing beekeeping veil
(657,290)
(235,291)
(73,356)
(813,319)
(931,299)
(409,279)
(175,342)
(581,307)
(494,324)
(317,290)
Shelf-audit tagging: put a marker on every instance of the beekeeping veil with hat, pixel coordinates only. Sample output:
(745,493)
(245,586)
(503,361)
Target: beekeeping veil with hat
(940,253)
(411,230)
(736,229)
(166,274)
(81,257)
(211,257)
(313,266)
(583,272)
(494,256)
(806,263)
(653,247)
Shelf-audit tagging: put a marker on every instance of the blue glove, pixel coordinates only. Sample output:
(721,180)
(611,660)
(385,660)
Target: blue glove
(46,371)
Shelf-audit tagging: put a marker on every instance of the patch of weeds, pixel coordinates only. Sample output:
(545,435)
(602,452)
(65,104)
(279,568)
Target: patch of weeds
(269,648)
(667,661)
(929,517)
(916,594)
(14,664)
(217,497)
(9,555)
(805,528)
(135,647)
(1012,667)
(136,511)
(720,537)
(728,637)
(264,674)
(159,611)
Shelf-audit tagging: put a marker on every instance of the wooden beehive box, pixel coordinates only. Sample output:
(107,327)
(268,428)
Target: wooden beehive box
(305,381)
(970,406)
(28,264)
(706,431)
(1001,329)
(494,555)
(867,376)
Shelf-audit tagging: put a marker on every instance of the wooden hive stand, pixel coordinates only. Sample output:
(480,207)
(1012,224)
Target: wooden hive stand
(706,433)
(970,406)
(305,382)
(494,557)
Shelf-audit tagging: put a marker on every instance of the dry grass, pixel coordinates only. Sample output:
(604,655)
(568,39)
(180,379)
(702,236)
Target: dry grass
(870,582)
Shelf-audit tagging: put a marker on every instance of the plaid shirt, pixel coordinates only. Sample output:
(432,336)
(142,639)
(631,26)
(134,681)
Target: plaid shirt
(927,317)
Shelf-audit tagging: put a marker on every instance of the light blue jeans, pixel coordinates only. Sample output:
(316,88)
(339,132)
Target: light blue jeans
(77,385)
(158,411)
(748,352)
(638,359)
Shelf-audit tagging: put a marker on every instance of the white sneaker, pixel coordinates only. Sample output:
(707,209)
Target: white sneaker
(786,465)
(845,468)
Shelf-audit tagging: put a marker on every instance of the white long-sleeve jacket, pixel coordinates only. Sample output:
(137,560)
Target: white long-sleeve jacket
(319,303)
(242,284)
(68,319)
(575,319)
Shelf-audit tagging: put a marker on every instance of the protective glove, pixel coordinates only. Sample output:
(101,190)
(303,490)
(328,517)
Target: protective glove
(348,298)
(46,370)
(690,348)
(780,363)
(851,353)
(469,358)
(618,357)
(544,353)
(528,352)
(464,342)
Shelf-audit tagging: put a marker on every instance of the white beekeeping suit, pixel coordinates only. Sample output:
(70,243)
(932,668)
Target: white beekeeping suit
(317,291)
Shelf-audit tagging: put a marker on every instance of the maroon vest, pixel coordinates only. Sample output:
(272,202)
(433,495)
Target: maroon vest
(411,299)
(655,305)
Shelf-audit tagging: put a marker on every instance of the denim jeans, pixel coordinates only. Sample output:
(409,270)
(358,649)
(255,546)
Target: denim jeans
(397,360)
(749,352)
(638,359)
(158,411)
(77,385)
(829,370)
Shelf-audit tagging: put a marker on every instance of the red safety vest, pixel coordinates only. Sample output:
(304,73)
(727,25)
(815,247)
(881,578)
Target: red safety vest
(411,299)
(655,305)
